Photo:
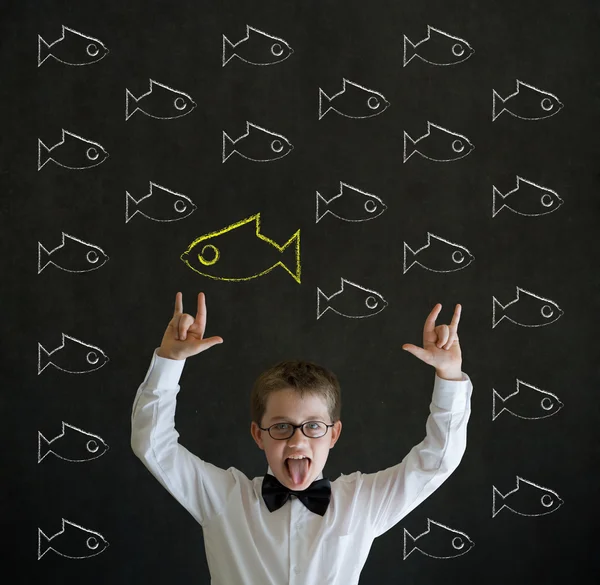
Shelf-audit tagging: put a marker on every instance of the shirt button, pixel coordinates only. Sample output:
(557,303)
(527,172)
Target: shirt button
(296,570)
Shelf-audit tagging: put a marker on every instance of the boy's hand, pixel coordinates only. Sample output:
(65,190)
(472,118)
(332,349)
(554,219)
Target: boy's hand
(440,345)
(183,337)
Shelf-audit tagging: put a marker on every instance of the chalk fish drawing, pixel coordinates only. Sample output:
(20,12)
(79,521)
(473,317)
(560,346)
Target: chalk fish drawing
(528,310)
(437,48)
(438,143)
(527,198)
(527,499)
(438,255)
(240,252)
(73,356)
(350,204)
(353,101)
(438,541)
(72,48)
(72,152)
(73,542)
(160,101)
(527,402)
(160,204)
(72,255)
(73,444)
(352,300)
(528,103)
(257,144)
(256,48)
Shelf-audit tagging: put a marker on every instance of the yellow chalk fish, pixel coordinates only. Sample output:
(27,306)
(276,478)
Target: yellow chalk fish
(240,252)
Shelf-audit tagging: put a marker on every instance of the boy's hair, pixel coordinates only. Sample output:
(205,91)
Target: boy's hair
(301,376)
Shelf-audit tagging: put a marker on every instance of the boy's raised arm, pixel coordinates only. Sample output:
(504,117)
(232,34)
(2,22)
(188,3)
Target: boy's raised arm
(392,493)
(199,486)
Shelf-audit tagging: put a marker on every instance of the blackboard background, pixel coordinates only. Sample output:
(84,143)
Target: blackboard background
(124,306)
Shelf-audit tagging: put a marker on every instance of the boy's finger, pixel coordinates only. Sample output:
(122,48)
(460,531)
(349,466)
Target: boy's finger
(184,324)
(456,317)
(430,321)
(443,335)
(178,304)
(417,351)
(201,311)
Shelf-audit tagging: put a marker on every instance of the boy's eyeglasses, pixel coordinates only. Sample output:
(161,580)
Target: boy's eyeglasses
(312,429)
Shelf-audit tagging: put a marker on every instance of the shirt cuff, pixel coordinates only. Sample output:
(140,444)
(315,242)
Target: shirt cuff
(164,372)
(451,395)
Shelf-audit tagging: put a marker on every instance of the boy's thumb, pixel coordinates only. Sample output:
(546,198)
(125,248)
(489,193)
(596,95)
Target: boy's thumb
(415,350)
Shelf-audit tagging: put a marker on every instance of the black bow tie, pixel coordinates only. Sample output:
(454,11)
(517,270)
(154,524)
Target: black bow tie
(315,497)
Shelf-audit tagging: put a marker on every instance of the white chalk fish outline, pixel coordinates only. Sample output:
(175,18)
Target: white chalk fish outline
(519,480)
(368,199)
(426,532)
(61,245)
(262,32)
(62,36)
(450,132)
(269,132)
(49,353)
(379,298)
(129,95)
(87,141)
(503,400)
(416,53)
(495,302)
(496,193)
(62,434)
(332,107)
(137,202)
(88,541)
(520,83)
(429,236)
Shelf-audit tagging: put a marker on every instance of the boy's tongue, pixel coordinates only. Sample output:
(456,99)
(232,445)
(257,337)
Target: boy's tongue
(298,470)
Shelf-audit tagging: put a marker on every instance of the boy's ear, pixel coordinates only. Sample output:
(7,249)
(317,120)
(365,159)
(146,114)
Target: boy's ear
(256,435)
(336,431)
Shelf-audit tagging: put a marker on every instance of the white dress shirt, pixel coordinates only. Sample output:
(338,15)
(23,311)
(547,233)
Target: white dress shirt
(248,545)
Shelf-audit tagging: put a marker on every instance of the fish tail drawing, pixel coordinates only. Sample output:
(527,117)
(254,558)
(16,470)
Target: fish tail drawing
(129,200)
(43,154)
(323,96)
(292,260)
(43,358)
(496,494)
(129,96)
(409,48)
(228,50)
(409,543)
(43,541)
(322,203)
(228,146)
(502,401)
(497,101)
(497,194)
(43,446)
(321,297)
(43,50)
(43,257)
(410,257)
(409,146)
(496,306)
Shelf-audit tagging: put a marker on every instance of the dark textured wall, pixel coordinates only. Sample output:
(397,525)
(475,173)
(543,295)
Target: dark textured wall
(495,208)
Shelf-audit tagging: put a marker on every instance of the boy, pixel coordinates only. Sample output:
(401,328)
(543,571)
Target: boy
(294,526)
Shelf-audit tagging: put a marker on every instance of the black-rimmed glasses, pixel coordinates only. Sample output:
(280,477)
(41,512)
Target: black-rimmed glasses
(282,431)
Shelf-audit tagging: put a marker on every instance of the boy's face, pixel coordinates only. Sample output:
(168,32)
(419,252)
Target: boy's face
(288,405)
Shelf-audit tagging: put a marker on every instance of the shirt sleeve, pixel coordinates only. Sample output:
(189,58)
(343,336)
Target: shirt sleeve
(392,493)
(199,486)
